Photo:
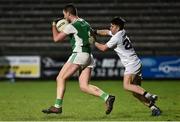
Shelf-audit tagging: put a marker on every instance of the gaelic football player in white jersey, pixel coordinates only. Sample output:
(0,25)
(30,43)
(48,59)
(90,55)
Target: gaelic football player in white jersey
(81,60)
(132,75)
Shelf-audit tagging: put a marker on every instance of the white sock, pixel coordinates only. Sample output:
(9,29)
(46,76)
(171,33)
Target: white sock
(147,95)
(153,107)
(57,106)
(106,97)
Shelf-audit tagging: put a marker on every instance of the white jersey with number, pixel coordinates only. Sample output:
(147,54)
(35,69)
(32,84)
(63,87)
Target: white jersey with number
(123,47)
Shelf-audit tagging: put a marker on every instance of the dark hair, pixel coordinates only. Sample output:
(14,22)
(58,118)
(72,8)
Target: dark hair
(71,9)
(118,21)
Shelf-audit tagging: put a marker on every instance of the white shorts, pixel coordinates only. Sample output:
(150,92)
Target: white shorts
(83,59)
(134,68)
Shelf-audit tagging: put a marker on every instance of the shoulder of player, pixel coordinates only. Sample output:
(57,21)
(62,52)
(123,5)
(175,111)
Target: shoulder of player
(121,32)
(118,36)
(69,29)
(74,25)
(80,20)
(69,26)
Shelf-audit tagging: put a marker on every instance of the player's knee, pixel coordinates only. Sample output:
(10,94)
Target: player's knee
(126,87)
(83,88)
(59,78)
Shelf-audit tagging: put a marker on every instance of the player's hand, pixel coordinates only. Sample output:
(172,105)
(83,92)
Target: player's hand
(93,35)
(94,31)
(54,22)
(92,40)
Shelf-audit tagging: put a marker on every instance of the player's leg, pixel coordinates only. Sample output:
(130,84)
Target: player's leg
(94,90)
(130,72)
(127,84)
(67,70)
(85,86)
(84,78)
(131,87)
(136,80)
(155,110)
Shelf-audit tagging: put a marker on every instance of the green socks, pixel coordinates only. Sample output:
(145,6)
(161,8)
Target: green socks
(104,96)
(58,103)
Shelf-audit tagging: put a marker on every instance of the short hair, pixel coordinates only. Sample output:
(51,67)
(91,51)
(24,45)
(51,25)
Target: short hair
(118,21)
(71,9)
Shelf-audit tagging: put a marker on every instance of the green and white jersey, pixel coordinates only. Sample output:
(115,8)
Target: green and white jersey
(79,33)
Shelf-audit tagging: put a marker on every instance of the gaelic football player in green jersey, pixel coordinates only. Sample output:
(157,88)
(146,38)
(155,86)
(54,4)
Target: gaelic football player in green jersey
(81,60)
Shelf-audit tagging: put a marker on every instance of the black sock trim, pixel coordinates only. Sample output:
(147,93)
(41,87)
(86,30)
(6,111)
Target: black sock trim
(151,104)
(144,94)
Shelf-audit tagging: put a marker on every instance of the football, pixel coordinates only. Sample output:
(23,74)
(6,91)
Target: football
(61,24)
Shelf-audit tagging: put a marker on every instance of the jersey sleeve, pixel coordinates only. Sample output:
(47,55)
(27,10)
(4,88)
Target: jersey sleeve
(112,42)
(69,29)
(110,33)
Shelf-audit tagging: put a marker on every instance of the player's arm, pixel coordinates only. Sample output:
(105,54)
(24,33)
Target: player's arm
(102,47)
(103,32)
(112,43)
(57,36)
(92,33)
(92,37)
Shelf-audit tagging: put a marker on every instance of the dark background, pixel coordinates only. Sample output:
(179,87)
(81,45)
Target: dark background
(152,25)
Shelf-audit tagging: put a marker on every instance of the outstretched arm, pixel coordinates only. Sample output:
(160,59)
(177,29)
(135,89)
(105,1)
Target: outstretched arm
(102,47)
(57,36)
(104,32)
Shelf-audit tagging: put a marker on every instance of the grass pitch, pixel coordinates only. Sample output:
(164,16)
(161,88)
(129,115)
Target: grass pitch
(23,101)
